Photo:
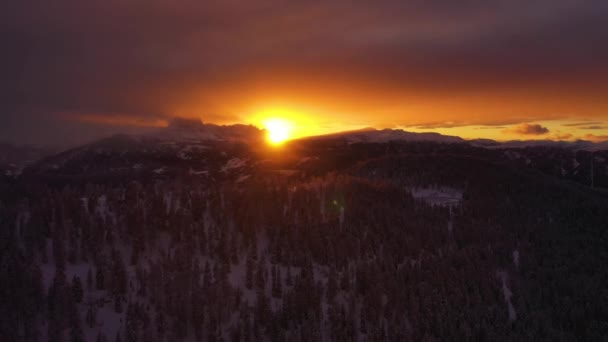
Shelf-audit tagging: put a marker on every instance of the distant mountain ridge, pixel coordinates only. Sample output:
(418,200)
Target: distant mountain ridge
(182,129)
(192,147)
(13,158)
(373,135)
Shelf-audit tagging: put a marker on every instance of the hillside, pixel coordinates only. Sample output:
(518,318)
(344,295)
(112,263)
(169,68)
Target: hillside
(317,240)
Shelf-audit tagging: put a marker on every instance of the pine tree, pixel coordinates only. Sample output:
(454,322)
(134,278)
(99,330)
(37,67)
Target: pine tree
(90,316)
(247,331)
(57,310)
(45,254)
(279,283)
(234,251)
(345,281)
(99,278)
(262,306)
(249,273)
(363,324)
(160,323)
(119,274)
(289,278)
(260,282)
(207,276)
(332,286)
(89,280)
(76,333)
(276,282)
(254,248)
(77,291)
(118,307)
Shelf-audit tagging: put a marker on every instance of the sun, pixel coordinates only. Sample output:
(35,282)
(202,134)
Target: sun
(279,130)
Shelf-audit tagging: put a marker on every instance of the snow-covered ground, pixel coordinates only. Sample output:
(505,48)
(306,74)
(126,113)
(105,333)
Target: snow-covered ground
(441,196)
(507,294)
(198,172)
(516,258)
(242,178)
(234,163)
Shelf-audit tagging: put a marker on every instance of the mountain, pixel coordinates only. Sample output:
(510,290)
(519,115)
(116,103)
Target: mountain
(202,150)
(372,135)
(184,147)
(572,145)
(193,130)
(14,157)
(203,232)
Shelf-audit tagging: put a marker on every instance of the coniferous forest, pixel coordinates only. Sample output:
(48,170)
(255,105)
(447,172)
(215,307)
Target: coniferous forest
(412,242)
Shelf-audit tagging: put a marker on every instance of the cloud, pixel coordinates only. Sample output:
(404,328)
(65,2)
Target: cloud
(562,136)
(115,119)
(596,138)
(527,129)
(435,125)
(491,127)
(483,123)
(594,127)
(224,57)
(582,123)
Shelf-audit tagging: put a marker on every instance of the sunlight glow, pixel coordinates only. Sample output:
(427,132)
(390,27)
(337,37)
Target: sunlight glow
(279,130)
(286,122)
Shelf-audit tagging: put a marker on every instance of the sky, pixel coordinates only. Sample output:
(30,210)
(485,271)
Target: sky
(74,70)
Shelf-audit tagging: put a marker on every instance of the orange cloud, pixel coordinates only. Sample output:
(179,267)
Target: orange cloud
(562,136)
(527,129)
(596,138)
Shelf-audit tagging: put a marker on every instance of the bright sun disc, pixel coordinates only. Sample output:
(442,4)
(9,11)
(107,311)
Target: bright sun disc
(279,130)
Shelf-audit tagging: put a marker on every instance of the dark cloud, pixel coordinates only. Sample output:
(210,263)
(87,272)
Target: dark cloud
(527,129)
(439,124)
(584,123)
(492,127)
(157,58)
(483,124)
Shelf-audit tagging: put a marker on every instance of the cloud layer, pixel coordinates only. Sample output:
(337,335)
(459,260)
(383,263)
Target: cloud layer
(388,62)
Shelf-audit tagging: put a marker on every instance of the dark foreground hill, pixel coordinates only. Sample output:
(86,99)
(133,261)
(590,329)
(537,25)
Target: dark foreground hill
(320,240)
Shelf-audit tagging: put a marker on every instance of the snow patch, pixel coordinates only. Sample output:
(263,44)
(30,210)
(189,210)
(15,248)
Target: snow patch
(516,258)
(198,172)
(243,178)
(102,207)
(507,294)
(234,163)
(441,196)
(85,204)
